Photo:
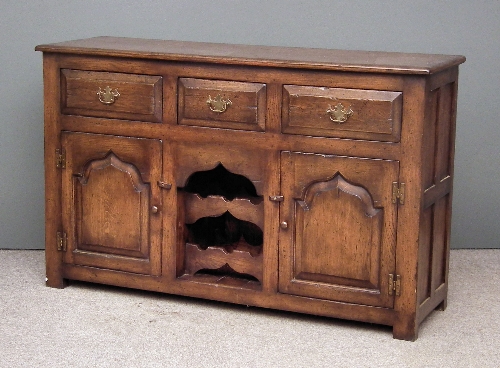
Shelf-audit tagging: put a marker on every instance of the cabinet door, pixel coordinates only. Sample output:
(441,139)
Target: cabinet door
(111,203)
(338,228)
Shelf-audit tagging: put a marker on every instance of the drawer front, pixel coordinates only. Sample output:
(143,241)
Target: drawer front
(112,95)
(222,104)
(343,113)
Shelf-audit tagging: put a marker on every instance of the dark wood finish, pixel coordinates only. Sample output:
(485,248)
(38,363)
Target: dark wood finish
(336,210)
(53,215)
(283,57)
(247,110)
(376,115)
(140,96)
(108,192)
(240,259)
(197,207)
(267,203)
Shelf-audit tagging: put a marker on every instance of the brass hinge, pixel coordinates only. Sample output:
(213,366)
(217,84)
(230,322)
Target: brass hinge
(164,185)
(398,192)
(394,284)
(276,198)
(61,241)
(60,158)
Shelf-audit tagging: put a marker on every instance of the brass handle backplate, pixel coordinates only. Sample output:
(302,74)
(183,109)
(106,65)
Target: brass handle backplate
(218,104)
(107,96)
(339,114)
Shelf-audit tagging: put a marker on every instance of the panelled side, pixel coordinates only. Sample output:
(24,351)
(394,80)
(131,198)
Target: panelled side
(438,154)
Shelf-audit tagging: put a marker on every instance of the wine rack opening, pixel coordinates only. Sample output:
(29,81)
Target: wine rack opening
(221,182)
(225,231)
(226,272)
(223,221)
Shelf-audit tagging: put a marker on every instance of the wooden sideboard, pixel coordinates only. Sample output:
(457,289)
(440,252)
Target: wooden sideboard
(307,180)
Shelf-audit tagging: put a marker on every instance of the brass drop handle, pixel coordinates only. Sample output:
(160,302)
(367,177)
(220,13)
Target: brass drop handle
(107,96)
(218,104)
(284,225)
(154,209)
(339,114)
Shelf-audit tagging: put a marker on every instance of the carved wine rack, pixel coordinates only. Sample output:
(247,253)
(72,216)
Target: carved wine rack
(223,222)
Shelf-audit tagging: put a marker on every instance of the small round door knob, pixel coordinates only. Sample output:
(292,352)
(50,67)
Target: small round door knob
(154,209)
(284,225)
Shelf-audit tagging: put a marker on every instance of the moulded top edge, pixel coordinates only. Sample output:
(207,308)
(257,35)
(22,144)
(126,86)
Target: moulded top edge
(272,56)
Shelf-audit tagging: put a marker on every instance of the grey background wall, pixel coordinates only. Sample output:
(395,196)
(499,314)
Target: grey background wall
(469,28)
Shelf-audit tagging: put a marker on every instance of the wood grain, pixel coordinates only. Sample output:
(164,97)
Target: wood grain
(269,203)
(140,96)
(376,115)
(289,57)
(246,111)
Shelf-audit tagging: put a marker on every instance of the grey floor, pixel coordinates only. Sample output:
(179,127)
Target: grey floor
(87,325)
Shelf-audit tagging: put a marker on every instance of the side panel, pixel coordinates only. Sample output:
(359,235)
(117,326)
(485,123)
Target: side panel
(438,155)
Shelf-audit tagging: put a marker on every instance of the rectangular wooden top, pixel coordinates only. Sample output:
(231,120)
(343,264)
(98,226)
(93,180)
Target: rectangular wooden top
(271,56)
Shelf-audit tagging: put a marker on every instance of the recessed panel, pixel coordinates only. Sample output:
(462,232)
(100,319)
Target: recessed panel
(346,233)
(113,213)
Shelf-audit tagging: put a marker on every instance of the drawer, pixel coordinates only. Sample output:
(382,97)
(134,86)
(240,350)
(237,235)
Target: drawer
(222,104)
(342,113)
(111,95)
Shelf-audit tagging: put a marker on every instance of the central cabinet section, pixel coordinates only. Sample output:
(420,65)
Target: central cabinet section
(220,227)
